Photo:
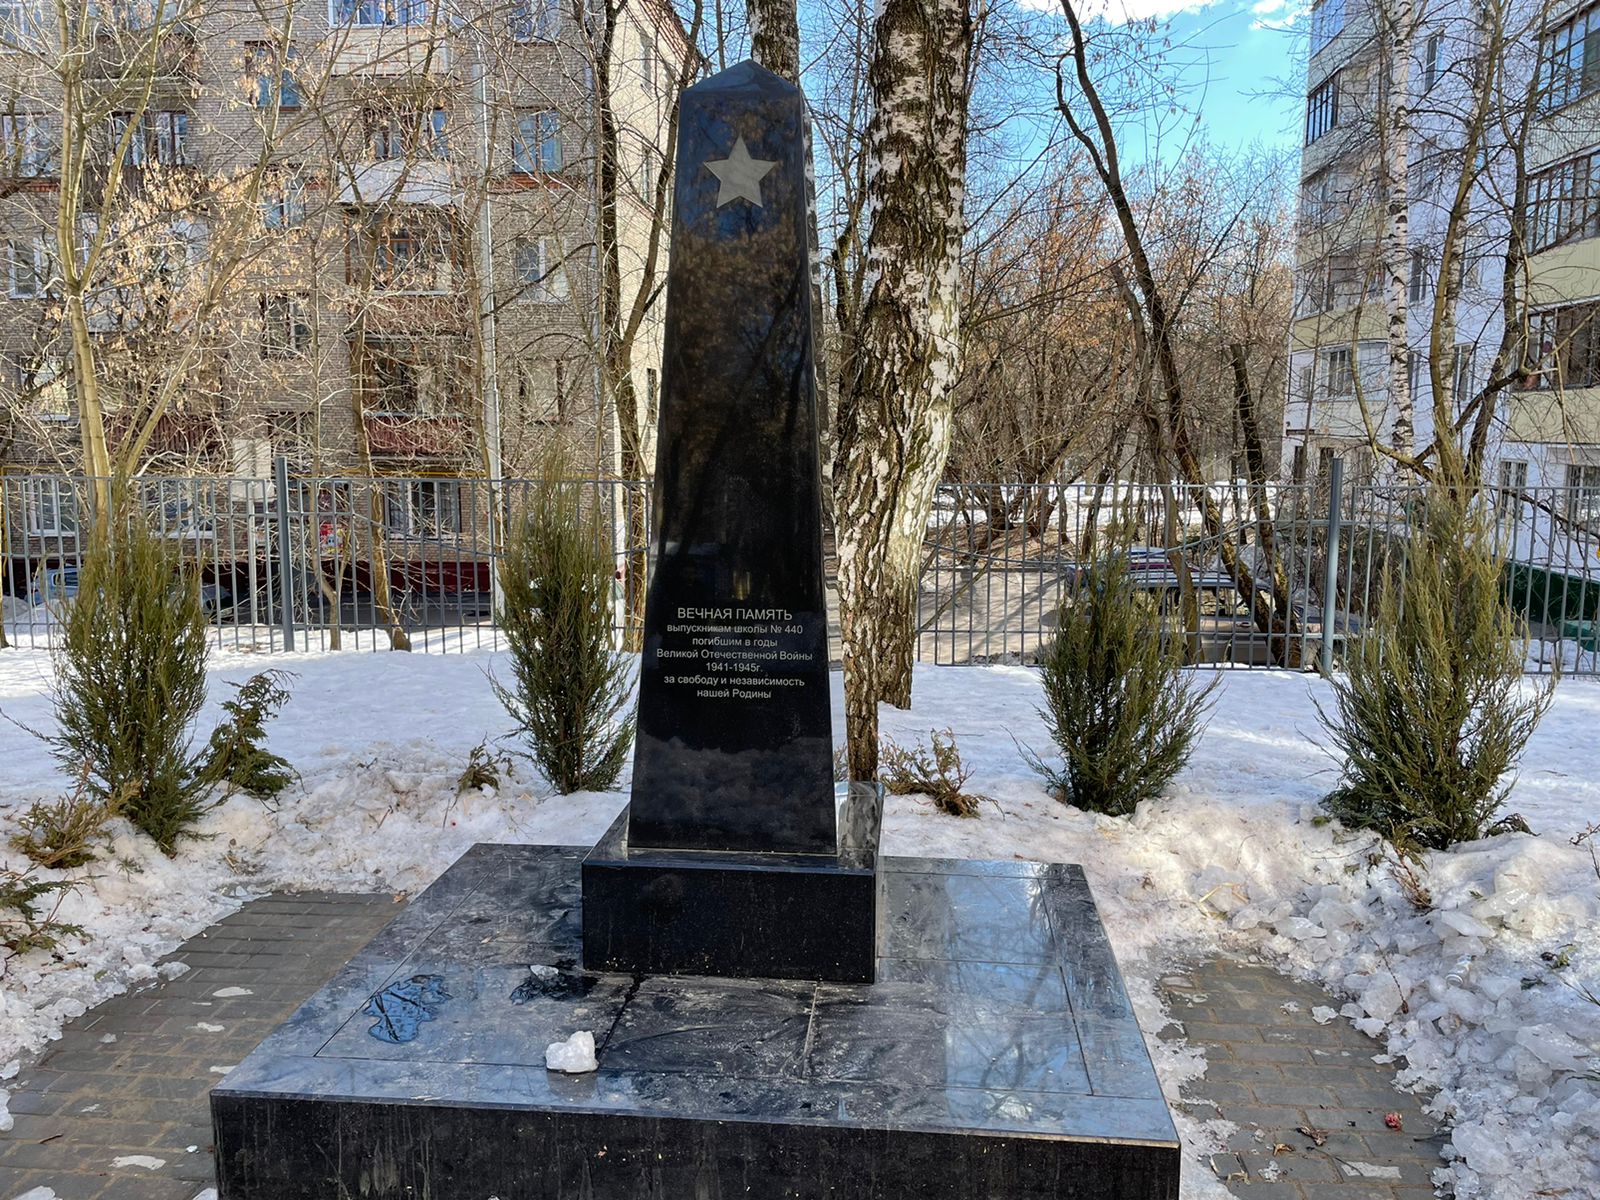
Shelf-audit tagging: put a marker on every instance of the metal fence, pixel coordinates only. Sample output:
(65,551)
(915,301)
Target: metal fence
(307,562)
(1001,559)
(296,563)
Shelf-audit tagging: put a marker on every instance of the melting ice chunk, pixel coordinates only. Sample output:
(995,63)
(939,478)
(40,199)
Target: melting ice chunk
(573,1056)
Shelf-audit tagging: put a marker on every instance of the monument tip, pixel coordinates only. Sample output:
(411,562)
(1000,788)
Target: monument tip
(746,74)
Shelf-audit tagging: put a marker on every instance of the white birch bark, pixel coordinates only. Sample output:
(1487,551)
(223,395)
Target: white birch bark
(894,417)
(1394,143)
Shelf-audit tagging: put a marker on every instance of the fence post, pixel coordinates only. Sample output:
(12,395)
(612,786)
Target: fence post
(280,469)
(1330,580)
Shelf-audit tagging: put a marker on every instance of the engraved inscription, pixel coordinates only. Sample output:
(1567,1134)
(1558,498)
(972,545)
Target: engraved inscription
(736,653)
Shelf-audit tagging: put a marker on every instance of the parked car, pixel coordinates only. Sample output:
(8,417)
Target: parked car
(1150,569)
(56,586)
(216,600)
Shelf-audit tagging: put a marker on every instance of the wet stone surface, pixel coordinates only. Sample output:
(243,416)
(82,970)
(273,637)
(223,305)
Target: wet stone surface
(972,1029)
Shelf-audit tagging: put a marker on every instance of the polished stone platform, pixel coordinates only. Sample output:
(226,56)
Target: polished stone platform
(996,1056)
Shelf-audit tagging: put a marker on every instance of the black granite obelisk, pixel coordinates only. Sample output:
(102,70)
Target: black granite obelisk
(735,749)
(737,854)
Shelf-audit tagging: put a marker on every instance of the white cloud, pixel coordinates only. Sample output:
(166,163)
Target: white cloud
(1269,14)
(1121,12)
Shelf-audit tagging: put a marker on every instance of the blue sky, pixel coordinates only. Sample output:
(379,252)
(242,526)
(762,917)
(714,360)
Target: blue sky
(1245,72)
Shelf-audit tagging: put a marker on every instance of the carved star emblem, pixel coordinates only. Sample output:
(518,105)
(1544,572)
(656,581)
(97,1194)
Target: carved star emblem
(739,175)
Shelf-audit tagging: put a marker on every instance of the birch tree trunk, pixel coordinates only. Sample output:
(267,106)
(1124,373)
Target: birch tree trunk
(894,414)
(775,36)
(1394,150)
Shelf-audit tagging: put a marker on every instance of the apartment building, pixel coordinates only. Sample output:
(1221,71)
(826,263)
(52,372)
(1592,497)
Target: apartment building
(1544,431)
(359,234)
(1553,423)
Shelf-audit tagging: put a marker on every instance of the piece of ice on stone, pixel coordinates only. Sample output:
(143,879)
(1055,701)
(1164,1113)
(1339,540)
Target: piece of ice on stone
(148,1161)
(1322,1014)
(573,1056)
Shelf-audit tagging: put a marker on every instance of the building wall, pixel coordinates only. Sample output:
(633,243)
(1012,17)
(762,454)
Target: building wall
(1339,352)
(259,390)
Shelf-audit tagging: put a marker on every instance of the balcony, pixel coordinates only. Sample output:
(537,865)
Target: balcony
(407,435)
(119,52)
(388,50)
(398,181)
(186,434)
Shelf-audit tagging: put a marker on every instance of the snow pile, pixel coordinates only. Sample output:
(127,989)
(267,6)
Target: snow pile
(1236,860)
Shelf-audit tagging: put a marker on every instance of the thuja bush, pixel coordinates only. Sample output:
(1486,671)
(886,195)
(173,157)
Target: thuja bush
(237,755)
(130,678)
(1121,709)
(569,686)
(934,770)
(1433,711)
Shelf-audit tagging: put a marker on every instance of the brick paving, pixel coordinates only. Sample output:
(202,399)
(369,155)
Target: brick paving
(1274,1072)
(128,1079)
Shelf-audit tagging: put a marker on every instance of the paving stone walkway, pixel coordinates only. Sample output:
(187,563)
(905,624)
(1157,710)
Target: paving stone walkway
(1309,1101)
(116,1110)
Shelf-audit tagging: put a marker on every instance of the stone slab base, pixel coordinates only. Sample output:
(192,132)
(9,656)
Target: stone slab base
(996,1055)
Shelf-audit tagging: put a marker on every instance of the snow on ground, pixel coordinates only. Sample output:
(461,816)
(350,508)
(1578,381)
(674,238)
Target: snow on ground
(1235,860)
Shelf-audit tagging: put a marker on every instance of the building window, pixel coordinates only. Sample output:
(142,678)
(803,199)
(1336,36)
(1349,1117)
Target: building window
(412,378)
(1416,372)
(272,82)
(1327,19)
(536,143)
(1461,377)
(1318,288)
(1569,59)
(535,20)
(19,22)
(1583,491)
(1339,371)
(51,507)
(292,434)
(1564,345)
(413,258)
(162,136)
(1324,195)
(283,202)
(1417,289)
(394,136)
(537,262)
(647,174)
(24,149)
(648,59)
(542,389)
(1564,203)
(1513,482)
(1432,54)
(285,328)
(1322,108)
(28,275)
(380,12)
(423,507)
(38,386)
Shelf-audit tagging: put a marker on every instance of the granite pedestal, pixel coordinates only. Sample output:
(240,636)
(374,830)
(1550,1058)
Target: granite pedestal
(745,915)
(995,1056)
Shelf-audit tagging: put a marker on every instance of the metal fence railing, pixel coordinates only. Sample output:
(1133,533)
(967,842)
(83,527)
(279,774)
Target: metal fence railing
(299,562)
(1000,559)
(306,562)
